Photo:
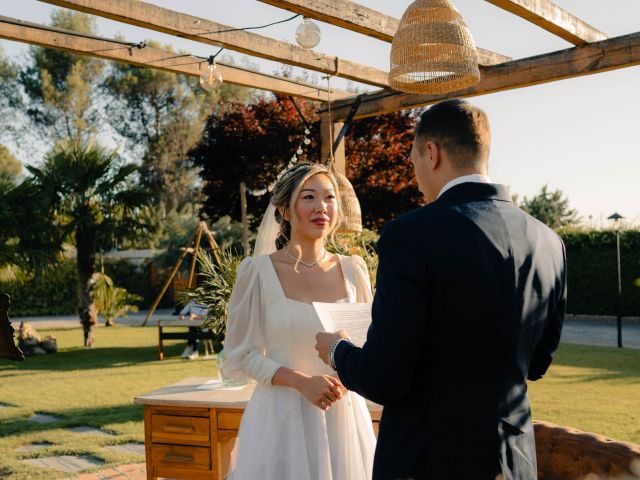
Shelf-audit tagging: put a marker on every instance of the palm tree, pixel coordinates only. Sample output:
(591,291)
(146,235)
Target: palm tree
(95,203)
(28,243)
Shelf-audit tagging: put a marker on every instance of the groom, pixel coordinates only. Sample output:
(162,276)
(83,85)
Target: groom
(469,305)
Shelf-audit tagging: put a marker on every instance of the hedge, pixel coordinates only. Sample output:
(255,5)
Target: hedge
(53,292)
(593,275)
(592,279)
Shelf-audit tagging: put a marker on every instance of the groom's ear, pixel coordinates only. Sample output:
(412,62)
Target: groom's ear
(432,155)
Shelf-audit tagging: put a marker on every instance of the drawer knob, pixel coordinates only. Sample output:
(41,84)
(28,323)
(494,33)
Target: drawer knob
(172,457)
(178,428)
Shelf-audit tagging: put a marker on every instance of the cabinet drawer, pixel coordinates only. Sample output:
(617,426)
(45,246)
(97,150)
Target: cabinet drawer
(182,457)
(179,429)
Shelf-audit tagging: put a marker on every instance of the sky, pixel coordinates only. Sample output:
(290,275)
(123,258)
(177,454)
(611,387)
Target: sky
(580,135)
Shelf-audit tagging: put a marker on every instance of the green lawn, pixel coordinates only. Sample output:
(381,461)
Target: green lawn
(595,389)
(93,387)
(590,388)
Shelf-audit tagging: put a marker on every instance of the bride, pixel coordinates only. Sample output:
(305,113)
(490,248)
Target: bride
(301,423)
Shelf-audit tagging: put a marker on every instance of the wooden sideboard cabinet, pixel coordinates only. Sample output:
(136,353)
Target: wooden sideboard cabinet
(190,433)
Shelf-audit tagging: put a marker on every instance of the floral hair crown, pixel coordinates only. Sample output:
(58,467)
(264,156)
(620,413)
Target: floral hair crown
(295,169)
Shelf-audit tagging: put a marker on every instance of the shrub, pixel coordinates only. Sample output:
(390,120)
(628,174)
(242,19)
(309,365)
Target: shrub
(593,274)
(52,292)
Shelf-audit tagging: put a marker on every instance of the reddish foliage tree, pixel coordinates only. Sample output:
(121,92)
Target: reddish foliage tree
(378,153)
(250,143)
(253,142)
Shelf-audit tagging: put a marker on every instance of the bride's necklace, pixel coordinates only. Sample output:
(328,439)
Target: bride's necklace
(308,265)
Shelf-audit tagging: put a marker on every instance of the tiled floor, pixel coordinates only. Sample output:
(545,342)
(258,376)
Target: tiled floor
(135,471)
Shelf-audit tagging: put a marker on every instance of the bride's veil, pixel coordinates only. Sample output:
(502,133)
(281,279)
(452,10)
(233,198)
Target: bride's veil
(267,233)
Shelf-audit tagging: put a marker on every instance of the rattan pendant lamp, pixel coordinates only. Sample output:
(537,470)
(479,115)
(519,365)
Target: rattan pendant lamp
(433,51)
(351,212)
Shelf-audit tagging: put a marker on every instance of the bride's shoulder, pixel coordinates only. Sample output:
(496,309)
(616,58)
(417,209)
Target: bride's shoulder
(249,265)
(355,260)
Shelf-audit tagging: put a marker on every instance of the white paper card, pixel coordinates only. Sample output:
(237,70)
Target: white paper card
(354,318)
(217,385)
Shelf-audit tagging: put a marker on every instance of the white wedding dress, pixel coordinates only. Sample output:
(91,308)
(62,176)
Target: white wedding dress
(283,436)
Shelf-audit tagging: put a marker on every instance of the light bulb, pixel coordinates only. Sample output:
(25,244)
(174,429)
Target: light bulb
(211,78)
(307,34)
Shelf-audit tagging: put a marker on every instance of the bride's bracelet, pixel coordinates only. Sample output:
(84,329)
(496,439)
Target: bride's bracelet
(332,352)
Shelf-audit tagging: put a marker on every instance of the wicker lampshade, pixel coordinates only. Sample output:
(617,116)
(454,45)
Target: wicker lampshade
(433,51)
(352,215)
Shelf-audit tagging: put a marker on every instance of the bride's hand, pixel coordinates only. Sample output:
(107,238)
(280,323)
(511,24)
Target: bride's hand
(321,390)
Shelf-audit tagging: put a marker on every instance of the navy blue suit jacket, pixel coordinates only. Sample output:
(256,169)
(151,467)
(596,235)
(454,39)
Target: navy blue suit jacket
(470,299)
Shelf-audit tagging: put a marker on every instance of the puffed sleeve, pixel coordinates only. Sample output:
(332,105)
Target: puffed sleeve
(244,344)
(363,281)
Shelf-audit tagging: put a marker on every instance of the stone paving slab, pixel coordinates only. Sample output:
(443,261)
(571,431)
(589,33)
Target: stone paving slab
(135,448)
(32,447)
(84,430)
(136,471)
(65,463)
(42,418)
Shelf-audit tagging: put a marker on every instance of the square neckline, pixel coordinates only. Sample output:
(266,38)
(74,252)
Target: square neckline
(344,282)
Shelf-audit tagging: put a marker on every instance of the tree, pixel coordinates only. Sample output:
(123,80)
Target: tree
(10,98)
(378,151)
(253,142)
(9,164)
(62,87)
(28,243)
(95,202)
(250,143)
(162,115)
(551,208)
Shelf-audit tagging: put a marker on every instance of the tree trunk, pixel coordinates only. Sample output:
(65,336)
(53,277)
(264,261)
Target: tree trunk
(85,262)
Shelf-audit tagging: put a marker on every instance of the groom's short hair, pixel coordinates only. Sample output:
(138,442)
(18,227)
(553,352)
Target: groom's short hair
(459,128)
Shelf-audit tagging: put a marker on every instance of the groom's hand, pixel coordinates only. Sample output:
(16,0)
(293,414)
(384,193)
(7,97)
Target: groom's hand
(324,340)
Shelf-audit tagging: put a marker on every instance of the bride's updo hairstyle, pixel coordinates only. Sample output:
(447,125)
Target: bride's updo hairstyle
(286,192)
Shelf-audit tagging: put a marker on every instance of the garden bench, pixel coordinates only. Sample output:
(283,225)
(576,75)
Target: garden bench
(184,335)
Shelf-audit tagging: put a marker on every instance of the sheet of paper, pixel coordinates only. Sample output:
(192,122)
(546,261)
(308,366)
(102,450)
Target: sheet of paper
(217,385)
(354,318)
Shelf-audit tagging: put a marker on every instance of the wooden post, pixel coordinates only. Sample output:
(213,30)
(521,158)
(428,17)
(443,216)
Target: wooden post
(148,441)
(195,254)
(215,248)
(328,133)
(245,221)
(168,282)
(166,285)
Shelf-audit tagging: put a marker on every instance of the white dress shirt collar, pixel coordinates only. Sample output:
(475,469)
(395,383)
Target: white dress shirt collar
(477,178)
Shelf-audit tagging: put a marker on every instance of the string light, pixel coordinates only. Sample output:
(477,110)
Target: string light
(211,78)
(308,34)
(294,159)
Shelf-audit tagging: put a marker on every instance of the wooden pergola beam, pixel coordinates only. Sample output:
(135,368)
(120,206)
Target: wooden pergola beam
(611,54)
(163,20)
(34,34)
(549,16)
(358,18)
